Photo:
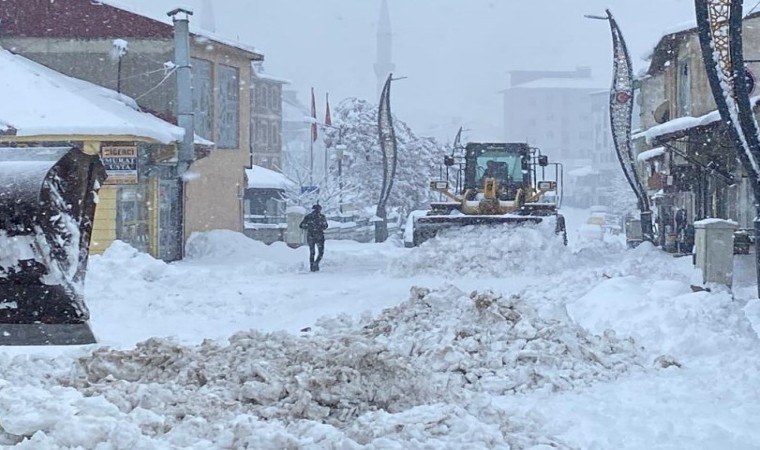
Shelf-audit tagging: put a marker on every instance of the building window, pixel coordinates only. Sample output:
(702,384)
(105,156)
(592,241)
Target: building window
(202,95)
(132,216)
(228,102)
(257,104)
(275,99)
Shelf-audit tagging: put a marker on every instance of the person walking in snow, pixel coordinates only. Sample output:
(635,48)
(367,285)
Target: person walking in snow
(315,224)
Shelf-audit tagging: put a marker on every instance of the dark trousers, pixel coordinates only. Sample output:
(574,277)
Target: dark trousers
(315,244)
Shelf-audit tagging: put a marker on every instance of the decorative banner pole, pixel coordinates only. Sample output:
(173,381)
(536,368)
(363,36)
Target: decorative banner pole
(720,36)
(621,114)
(388,146)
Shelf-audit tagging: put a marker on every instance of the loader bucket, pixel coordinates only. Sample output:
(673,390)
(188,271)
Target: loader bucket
(428,226)
(47,204)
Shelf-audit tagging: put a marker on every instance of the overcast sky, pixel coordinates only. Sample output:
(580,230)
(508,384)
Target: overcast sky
(456,53)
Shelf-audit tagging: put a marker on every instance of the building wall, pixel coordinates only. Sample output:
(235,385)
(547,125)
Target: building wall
(689,52)
(604,157)
(215,185)
(142,68)
(104,224)
(266,123)
(651,94)
(556,120)
(684,73)
(51,33)
(213,193)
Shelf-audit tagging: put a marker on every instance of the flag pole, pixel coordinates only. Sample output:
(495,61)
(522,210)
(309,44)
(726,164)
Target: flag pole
(312,138)
(327,103)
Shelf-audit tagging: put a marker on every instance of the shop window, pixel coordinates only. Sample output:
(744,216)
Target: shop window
(228,102)
(132,217)
(202,95)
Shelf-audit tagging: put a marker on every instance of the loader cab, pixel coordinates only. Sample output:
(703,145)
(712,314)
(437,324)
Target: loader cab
(508,163)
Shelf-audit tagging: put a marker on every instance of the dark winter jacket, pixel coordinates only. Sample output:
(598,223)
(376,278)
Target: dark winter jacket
(315,224)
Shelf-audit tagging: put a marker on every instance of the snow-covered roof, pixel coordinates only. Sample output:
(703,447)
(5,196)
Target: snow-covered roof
(38,101)
(680,124)
(582,171)
(258,72)
(652,153)
(684,123)
(198,33)
(664,48)
(562,83)
(263,178)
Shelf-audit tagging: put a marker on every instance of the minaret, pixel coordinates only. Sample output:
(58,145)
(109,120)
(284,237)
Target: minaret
(384,63)
(208,21)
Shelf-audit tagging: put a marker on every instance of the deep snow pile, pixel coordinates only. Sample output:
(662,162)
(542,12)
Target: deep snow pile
(375,383)
(490,343)
(225,246)
(500,369)
(379,382)
(481,341)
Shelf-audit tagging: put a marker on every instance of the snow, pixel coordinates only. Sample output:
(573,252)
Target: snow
(679,124)
(683,123)
(198,33)
(263,178)
(651,153)
(562,83)
(687,26)
(38,101)
(494,338)
(258,72)
(713,221)
(582,172)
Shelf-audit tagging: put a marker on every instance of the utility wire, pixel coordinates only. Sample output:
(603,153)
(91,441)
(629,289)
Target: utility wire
(168,74)
(150,72)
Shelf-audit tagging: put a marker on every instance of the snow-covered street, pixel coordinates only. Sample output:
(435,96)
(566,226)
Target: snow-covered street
(504,341)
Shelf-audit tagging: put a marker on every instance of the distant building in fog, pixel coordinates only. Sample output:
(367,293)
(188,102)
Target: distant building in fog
(266,118)
(552,110)
(296,134)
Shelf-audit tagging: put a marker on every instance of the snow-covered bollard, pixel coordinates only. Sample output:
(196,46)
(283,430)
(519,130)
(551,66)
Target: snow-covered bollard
(294,235)
(714,243)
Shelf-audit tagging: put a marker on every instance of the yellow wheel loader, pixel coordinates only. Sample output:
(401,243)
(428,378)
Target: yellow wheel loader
(495,183)
(47,204)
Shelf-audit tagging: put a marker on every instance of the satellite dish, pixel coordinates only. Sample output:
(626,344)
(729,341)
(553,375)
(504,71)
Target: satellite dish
(662,113)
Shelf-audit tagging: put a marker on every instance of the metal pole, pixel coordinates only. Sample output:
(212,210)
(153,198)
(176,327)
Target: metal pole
(184,86)
(311,163)
(340,185)
(118,75)
(327,170)
(185,112)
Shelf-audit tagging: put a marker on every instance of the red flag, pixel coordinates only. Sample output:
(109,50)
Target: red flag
(313,117)
(328,119)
